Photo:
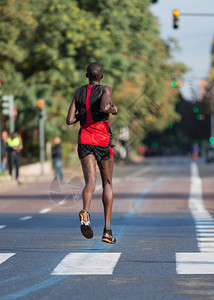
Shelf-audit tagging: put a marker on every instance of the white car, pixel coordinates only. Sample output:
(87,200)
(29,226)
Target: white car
(210,153)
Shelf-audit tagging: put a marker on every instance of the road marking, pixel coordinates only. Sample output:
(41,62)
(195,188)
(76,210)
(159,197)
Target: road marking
(45,210)
(205,230)
(87,264)
(25,218)
(204,227)
(205,233)
(62,202)
(195,263)
(200,223)
(5,256)
(2,226)
(206,239)
(202,262)
(206,244)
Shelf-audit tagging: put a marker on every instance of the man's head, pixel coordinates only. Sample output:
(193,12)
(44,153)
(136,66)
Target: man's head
(4,135)
(14,135)
(94,71)
(57,140)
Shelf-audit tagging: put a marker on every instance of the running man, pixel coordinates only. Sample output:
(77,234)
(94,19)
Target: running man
(93,104)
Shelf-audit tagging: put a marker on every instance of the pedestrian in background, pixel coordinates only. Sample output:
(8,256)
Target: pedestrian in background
(4,146)
(57,158)
(14,148)
(195,151)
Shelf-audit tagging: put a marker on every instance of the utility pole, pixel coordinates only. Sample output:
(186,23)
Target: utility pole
(41,115)
(0,127)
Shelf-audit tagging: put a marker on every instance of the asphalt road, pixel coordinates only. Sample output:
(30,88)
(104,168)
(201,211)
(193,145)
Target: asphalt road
(44,256)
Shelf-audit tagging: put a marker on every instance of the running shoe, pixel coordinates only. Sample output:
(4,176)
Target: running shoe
(85,224)
(107,237)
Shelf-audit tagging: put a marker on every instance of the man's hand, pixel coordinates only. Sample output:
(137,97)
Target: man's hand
(116,109)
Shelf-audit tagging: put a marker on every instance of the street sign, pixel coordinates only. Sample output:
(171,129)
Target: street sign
(8,109)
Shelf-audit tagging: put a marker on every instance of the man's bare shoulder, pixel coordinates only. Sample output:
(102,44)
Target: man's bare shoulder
(77,93)
(106,88)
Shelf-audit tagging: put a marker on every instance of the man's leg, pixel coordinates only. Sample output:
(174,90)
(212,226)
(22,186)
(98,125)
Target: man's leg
(106,170)
(11,164)
(89,171)
(17,163)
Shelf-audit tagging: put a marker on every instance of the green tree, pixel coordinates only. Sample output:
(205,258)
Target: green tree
(46,47)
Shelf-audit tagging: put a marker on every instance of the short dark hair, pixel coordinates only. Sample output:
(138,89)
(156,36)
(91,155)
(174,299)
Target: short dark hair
(94,70)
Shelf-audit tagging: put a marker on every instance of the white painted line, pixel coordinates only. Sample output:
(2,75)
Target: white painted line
(87,264)
(206,244)
(208,250)
(205,233)
(5,256)
(199,220)
(45,210)
(198,263)
(195,263)
(204,227)
(62,202)
(204,230)
(2,226)
(206,239)
(204,223)
(25,218)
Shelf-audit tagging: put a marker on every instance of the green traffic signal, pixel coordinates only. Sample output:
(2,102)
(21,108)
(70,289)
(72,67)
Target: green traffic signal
(173,83)
(211,140)
(195,109)
(200,117)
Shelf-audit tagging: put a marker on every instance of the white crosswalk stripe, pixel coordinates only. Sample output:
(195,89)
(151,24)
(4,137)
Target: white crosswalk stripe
(202,262)
(87,264)
(5,256)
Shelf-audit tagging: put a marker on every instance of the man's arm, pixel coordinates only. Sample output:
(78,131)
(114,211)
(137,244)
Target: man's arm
(72,117)
(106,105)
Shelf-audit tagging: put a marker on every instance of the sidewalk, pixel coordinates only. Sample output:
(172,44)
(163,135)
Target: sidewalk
(32,173)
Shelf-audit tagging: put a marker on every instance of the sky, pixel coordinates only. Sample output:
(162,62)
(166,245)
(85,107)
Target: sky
(194,36)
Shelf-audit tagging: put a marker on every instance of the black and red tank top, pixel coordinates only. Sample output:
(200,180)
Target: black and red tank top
(94,123)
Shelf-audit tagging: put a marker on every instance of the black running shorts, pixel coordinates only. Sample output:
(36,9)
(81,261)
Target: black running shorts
(100,152)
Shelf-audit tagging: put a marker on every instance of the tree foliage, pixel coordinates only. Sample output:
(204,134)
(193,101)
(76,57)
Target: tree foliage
(46,46)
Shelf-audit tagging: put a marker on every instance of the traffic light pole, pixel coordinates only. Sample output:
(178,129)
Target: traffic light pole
(197,14)
(41,115)
(42,143)
(0,127)
(212,111)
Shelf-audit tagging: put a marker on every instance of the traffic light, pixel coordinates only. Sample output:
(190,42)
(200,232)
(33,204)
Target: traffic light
(176,83)
(176,14)
(200,117)
(40,108)
(7,105)
(195,109)
(211,140)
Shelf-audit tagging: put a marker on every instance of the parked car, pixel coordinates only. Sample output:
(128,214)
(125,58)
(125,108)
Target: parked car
(210,153)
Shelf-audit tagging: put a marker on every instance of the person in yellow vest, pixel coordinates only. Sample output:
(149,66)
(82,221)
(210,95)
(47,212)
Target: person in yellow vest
(14,147)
